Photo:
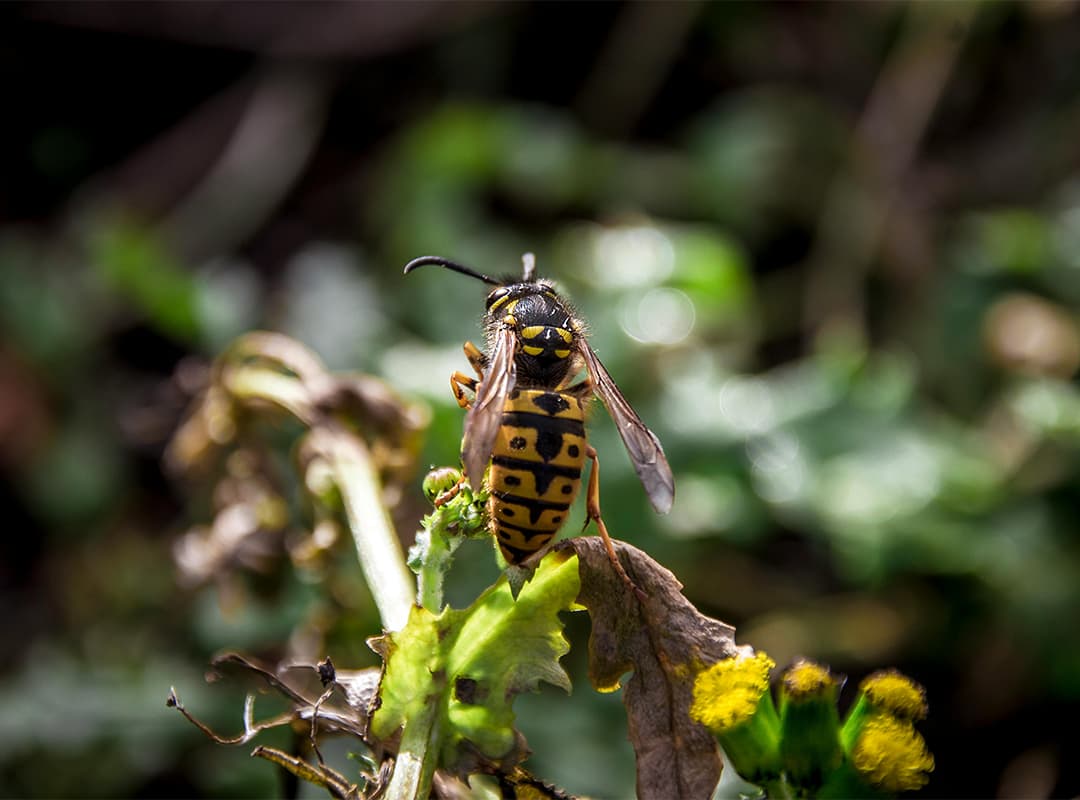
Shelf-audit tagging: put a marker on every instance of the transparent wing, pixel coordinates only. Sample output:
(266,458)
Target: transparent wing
(484,418)
(644,448)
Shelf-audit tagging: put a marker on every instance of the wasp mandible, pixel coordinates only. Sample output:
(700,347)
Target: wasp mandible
(525,426)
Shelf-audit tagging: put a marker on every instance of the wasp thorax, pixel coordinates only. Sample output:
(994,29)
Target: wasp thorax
(545,340)
(543,326)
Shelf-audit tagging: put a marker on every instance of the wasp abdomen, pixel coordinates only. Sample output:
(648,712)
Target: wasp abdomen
(535,469)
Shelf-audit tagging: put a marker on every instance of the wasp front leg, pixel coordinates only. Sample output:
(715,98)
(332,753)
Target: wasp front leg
(592,513)
(476,359)
(460,382)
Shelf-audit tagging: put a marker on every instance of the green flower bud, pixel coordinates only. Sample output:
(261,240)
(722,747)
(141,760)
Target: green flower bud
(809,724)
(732,699)
(440,480)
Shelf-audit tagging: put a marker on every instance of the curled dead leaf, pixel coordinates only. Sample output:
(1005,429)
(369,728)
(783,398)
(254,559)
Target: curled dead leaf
(664,641)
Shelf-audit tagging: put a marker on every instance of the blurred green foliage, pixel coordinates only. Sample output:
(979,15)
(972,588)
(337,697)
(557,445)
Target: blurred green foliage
(892,478)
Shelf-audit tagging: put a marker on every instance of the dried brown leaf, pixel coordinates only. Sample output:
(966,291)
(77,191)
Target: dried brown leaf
(357,687)
(665,642)
(296,683)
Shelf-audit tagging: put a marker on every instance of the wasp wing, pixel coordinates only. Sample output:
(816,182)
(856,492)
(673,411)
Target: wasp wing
(485,417)
(645,451)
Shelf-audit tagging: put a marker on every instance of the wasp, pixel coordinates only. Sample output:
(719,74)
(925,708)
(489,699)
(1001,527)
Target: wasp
(525,421)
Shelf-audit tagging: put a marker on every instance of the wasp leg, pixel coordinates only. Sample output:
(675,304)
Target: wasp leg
(592,512)
(476,359)
(459,382)
(450,494)
(583,391)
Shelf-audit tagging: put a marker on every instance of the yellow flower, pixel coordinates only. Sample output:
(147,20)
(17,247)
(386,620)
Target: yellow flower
(729,692)
(733,700)
(892,755)
(805,679)
(895,693)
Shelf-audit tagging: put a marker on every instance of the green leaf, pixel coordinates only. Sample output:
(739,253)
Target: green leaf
(458,672)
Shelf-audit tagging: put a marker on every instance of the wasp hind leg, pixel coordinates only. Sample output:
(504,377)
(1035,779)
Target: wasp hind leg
(592,513)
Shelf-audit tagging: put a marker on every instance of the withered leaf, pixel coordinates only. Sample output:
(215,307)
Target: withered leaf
(357,687)
(665,642)
(295,682)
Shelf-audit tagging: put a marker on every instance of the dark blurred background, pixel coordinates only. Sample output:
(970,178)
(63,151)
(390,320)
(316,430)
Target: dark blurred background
(831,252)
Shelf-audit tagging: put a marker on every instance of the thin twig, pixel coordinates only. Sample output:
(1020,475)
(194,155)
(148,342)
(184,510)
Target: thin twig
(323,775)
(251,728)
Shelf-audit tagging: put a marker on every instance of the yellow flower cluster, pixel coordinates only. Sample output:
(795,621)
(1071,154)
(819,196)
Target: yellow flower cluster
(804,748)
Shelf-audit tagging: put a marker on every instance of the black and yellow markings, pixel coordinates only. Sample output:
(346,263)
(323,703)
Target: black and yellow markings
(503,301)
(540,339)
(535,469)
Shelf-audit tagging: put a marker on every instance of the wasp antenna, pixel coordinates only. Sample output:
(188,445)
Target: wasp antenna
(528,262)
(453,265)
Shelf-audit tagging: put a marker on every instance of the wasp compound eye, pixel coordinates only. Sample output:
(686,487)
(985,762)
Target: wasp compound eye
(497,295)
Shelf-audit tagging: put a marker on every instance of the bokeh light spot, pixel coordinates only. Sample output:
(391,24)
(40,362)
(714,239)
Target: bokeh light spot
(660,316)
(630,257)
(778,468)
(748,405)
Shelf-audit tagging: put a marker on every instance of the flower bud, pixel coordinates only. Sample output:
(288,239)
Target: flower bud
(809,724)
(440,480)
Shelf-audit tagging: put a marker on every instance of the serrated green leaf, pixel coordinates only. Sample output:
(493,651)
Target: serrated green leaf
(459,672)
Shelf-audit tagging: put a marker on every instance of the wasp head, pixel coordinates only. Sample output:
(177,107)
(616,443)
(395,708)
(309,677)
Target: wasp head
(545,326)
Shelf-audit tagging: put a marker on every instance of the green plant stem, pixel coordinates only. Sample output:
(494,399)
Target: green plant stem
(377,545)
(414,768)
(438,556)
(778,789)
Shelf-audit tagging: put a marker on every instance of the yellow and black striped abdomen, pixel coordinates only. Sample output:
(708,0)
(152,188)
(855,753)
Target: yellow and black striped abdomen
(535,469)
